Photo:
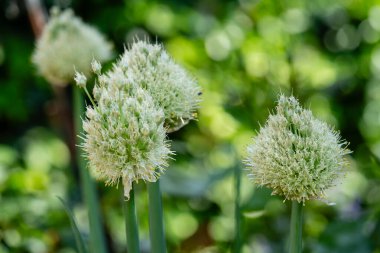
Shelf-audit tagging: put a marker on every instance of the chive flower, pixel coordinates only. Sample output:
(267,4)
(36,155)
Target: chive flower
(124,134)
(295,154)
(67,44)
(170,86)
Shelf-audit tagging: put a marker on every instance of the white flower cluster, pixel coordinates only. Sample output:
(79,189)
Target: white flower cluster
(171,87)
(295,154)
(67,44)
(141,98)
(125,138)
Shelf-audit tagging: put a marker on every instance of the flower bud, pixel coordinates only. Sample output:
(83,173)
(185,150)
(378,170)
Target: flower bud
(96,67)
(80,79)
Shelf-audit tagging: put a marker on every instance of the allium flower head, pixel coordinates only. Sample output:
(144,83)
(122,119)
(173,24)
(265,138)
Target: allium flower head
(67,43)
(169,84)
(295,154)
(125,137)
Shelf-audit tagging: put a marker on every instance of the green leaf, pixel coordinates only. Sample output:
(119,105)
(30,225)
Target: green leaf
(78,238)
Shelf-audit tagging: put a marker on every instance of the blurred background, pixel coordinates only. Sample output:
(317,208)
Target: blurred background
(243,53)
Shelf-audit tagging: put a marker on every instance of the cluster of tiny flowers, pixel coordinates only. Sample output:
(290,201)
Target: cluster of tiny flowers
(125,137)
(170,86)
(144,96)
(67,44)
(295,154)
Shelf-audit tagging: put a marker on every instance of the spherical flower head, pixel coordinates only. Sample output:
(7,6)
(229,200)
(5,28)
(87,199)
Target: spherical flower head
(296,155)
(67,44)
(169,84)
(124,134)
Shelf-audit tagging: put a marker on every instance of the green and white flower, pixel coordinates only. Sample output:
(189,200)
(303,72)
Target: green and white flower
(67,44)
(296,155)
(124,134)
(170,86)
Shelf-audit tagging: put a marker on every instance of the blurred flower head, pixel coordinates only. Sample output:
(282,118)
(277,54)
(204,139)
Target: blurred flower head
(295,154)
(124,133)
(170,86)
(67,44)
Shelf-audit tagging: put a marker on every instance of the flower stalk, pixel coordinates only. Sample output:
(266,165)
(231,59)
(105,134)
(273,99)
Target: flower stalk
(131,227)
(156,224)
(237,177)
(296,228)
(97,239)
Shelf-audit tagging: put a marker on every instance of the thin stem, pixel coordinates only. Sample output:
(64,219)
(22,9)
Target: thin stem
(133,243)
(89,96)
(237,244)
(156,223)
(296,228)
(97,239)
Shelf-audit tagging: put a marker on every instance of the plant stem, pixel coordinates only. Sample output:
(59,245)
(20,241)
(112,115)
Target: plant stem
(37,16)
(296,228)
(97,240)
(237,244)
(156,223)
(133,243)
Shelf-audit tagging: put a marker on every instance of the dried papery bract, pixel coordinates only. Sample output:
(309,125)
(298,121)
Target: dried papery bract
(295,154)
(170,86)
(124,134)
(67,44)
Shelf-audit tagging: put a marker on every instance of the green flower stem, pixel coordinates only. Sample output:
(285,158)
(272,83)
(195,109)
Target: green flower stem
(237,244)
(133,242)
(97,240)
(296,228)
(156,224)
